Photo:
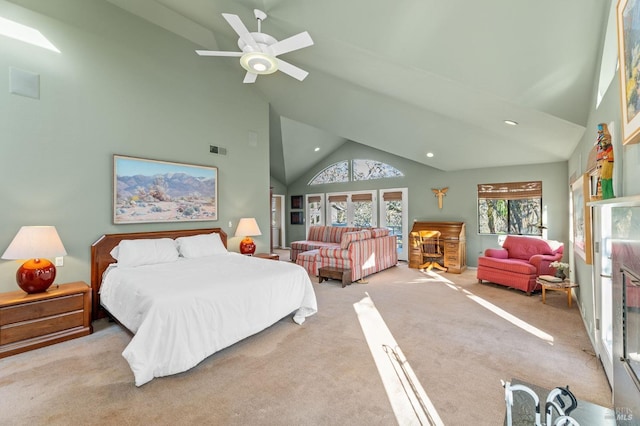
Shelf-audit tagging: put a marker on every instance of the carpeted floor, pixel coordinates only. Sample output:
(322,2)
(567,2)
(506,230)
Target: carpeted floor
(459,337)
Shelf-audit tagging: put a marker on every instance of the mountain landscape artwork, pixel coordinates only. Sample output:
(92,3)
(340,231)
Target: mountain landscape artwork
(160,191)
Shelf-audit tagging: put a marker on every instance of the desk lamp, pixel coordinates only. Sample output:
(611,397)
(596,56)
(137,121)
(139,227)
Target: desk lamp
(35,243)
(247,228)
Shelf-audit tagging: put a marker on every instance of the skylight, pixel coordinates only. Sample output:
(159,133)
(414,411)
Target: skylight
(24,33)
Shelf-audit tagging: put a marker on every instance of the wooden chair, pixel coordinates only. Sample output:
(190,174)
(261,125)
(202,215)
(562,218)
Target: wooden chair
(432,255)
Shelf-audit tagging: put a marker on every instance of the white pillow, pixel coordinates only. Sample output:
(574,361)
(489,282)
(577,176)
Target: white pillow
(131,253)
(200,245)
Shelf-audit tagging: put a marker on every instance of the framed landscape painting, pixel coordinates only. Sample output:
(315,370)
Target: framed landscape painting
(147,191)
(581,217)
(628,14)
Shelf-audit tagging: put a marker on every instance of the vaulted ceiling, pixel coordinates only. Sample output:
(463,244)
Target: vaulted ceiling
(414,76)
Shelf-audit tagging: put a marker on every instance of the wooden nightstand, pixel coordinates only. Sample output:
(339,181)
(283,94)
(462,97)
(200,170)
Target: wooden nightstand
(272,256)
(31,321)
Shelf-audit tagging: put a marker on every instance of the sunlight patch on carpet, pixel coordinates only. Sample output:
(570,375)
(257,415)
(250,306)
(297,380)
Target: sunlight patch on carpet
(511,318)
(432,276)
(503,314)
(409,401)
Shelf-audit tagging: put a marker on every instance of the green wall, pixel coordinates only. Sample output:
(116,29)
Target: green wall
(626,180)
(460,203)
(278,187)
(119,86)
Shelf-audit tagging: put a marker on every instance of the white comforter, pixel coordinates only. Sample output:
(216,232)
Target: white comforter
(182,312)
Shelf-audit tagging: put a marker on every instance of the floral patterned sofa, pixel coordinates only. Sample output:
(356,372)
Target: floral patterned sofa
(362,250)
(519,262)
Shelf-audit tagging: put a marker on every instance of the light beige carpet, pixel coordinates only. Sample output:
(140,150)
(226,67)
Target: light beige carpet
(322,373)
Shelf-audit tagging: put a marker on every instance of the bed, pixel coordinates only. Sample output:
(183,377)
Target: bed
(183,296)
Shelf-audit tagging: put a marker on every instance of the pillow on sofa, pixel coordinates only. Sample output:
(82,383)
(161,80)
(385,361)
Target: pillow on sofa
(525,247)
(349,237)
(316,233)
(379,232)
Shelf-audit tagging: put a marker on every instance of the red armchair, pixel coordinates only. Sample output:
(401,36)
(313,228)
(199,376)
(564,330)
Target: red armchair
(519,262)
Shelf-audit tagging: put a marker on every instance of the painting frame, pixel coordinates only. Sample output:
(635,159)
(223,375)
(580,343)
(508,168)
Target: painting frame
(581,217)
(156,191)
(296,201)
(297,218)
(629,54)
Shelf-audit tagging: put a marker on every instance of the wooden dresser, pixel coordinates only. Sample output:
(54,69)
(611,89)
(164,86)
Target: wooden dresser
(453,241)
(31,321)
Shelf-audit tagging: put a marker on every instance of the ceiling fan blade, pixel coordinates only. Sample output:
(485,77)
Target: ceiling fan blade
(217,53)
(250,77)
(298,41)
(239,27)
(291,70)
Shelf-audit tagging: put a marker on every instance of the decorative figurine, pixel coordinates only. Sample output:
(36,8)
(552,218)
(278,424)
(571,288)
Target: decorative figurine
(604,161)
(440,193)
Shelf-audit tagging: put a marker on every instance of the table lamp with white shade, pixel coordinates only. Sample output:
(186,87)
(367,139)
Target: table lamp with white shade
(247,228)
(37,244)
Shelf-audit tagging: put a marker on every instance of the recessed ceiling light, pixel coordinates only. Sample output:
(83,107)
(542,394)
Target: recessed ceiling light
(511,122)
(317,149)
(429,154)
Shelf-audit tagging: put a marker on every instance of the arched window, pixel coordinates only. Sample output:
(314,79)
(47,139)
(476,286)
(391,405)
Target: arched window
(370,169)
(337,172)
(360,170)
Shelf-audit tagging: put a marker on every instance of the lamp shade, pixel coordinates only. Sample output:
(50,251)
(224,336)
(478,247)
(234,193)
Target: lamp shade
(247,228)
(33,242)
(36,244)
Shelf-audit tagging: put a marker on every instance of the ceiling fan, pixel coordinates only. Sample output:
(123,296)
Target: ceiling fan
(259,51)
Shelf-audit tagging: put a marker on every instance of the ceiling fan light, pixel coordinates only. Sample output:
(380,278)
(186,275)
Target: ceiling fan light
(259,63)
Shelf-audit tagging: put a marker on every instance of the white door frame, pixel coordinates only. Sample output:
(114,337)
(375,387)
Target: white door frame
(404,253)
(282,215)
(602,280)
(307,211)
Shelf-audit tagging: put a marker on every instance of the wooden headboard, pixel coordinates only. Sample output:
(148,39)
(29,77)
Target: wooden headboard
(101,256)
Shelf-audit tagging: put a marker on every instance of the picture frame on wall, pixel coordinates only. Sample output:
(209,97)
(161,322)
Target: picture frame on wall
(151,191)
(296,201)
(297,218)
(581,232)
(629,55)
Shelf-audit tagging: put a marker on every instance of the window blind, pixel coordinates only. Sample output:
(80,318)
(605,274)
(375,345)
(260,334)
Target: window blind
(392,196)
(337,198)
(510,190)
(361,197)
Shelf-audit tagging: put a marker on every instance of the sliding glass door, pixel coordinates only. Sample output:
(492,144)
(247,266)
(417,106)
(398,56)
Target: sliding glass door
(394,216)
(363,210)
(603,296)
(352,209)
(315,210)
